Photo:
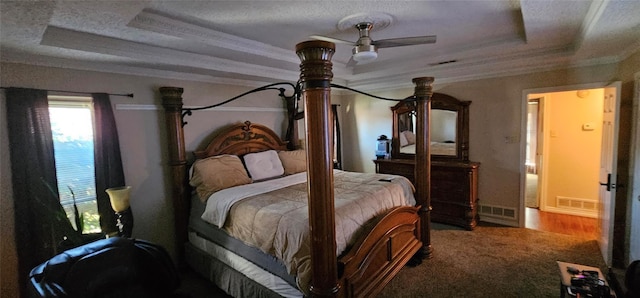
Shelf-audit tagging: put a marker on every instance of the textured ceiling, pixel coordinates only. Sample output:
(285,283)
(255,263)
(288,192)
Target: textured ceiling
(252,42)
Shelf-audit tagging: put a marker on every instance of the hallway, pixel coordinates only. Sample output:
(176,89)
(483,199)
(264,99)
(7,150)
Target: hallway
(578,226)
(554,222)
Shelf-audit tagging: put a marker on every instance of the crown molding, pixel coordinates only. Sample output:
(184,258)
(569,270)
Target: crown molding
(152,21)
(151,107)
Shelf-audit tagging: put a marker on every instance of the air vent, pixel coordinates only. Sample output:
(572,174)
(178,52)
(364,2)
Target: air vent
(447,62)
(443,62)
(576,203)
(498,211)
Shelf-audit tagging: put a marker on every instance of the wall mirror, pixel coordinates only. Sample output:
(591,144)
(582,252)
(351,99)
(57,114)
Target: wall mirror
(448,127)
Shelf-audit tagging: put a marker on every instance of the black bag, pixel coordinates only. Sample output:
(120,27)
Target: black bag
(588,284)
(113,267)
(632,280)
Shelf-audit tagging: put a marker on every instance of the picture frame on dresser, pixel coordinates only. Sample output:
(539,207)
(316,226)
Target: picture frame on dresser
(453,177)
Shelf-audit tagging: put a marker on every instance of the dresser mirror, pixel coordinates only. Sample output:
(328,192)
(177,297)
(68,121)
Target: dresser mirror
(448,127)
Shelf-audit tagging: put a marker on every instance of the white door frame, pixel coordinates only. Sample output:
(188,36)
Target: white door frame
(523,133)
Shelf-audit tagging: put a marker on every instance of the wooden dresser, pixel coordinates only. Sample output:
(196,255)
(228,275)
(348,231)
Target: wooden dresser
(454,188)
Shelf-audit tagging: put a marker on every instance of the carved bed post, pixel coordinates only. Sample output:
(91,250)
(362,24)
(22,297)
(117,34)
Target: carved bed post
(315,76)
(423,92)
(172,102)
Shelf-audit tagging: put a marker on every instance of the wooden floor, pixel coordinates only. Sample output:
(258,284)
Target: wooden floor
(579,226)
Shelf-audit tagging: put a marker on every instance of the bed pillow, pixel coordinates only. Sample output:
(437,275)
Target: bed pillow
(411,137)
(216,173)
(403,139)
(293,161)
(263,165)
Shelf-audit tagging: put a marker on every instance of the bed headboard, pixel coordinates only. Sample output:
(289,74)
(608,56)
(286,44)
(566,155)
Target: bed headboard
(242,138)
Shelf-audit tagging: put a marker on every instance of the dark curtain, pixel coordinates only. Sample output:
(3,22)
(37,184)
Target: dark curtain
(337,143)
(108,161)
(40,221)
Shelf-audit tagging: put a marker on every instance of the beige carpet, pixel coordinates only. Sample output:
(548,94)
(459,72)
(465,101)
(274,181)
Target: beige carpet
(493,261)
(531,191)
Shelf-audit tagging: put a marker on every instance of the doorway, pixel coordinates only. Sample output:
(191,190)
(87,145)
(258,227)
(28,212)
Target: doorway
(532,155)
(560,171)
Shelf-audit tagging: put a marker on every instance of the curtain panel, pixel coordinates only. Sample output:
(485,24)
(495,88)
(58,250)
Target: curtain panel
(108,161)
(39,230)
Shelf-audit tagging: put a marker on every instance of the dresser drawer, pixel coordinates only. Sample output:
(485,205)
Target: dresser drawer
(453,188)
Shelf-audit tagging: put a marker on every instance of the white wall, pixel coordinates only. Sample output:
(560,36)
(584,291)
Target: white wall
(572,160)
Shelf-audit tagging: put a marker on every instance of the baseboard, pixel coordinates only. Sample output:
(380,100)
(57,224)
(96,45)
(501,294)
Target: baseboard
(499,221)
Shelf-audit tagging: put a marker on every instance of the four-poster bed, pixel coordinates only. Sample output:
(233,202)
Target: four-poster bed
(374,254)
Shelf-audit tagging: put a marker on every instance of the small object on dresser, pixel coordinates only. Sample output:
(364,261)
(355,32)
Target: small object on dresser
(382,147)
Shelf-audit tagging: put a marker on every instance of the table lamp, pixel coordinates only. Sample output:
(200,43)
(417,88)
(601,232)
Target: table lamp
(119,197)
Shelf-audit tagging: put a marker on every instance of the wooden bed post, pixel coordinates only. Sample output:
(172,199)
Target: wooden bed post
(315,76)
(172,102)
(423,92)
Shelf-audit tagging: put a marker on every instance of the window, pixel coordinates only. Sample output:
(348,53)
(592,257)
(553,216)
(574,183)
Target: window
(72,128)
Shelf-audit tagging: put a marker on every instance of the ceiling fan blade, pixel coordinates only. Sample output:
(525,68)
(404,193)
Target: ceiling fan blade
(330,39)
(404,41)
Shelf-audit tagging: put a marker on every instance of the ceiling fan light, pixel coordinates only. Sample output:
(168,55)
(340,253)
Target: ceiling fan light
(364,53)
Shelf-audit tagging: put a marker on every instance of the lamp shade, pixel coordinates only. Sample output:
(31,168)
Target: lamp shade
(119,197)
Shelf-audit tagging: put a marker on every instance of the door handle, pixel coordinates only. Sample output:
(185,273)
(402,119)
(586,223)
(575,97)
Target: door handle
(608,184)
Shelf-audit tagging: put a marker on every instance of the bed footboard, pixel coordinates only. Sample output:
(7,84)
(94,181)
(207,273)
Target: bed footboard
(378,256)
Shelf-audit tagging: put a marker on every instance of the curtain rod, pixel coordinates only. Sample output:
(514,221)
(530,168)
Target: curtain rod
(80,92)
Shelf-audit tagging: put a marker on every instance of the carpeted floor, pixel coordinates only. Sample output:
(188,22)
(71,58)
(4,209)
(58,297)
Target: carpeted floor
(531,191)
(493,261)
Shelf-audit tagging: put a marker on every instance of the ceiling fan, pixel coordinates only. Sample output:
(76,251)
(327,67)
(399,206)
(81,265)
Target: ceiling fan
(366,50)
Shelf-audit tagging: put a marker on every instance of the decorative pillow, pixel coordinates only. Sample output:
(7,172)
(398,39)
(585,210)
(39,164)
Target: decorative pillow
(216,173)
(293,161)
(411,137)
(403,139)
(263,165)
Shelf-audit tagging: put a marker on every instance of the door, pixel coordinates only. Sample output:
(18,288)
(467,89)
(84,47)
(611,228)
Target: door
(539,151)
(608,168)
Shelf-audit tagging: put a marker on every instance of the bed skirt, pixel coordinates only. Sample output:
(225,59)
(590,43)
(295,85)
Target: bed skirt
(233,274)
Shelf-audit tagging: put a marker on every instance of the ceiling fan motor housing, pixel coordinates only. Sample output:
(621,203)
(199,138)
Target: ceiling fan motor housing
(364,52)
